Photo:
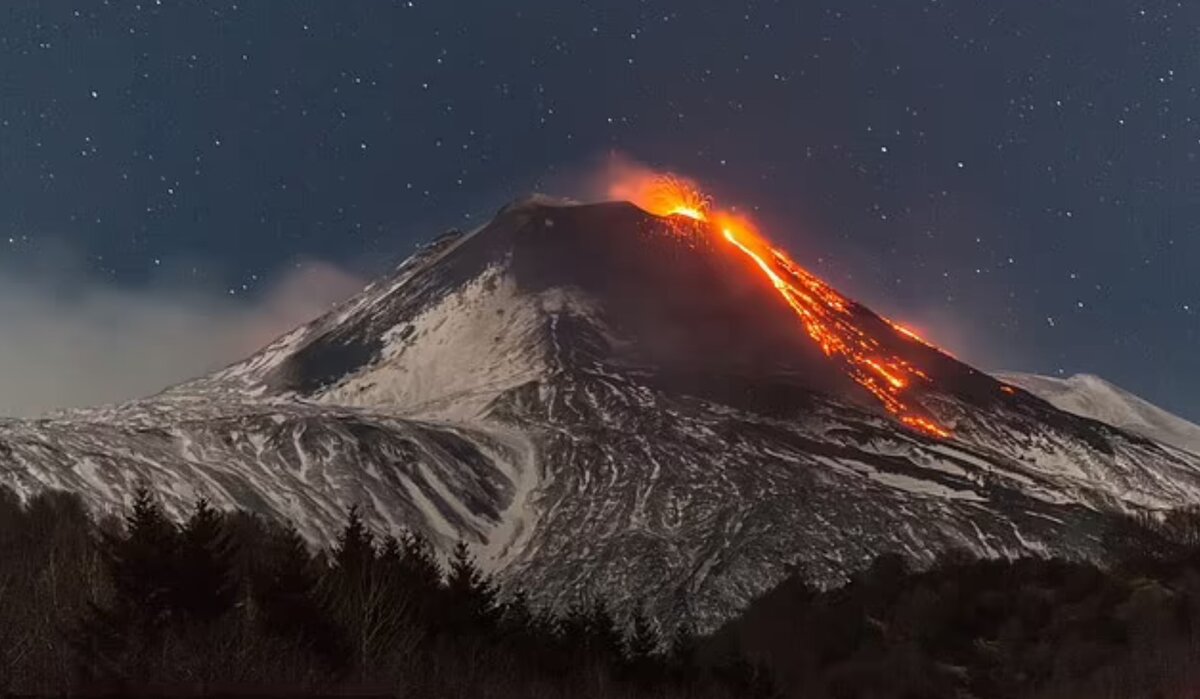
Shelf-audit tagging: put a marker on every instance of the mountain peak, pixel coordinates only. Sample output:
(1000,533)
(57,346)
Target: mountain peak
(1093,397)
(605,399)
(539,199)
(550,282)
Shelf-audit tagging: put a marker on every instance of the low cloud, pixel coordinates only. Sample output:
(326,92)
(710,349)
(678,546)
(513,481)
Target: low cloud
(65,344)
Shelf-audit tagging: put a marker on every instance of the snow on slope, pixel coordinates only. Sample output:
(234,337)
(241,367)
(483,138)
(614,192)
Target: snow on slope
(290,462)
(1092,397)
(454,358)
(590,400)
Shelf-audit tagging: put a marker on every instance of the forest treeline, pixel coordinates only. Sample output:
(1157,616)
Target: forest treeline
(1032,628)
(229,603)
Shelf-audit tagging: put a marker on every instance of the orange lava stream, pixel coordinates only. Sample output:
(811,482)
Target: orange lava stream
(824,313)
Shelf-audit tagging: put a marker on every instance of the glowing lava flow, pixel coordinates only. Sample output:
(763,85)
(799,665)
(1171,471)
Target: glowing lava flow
(825,314)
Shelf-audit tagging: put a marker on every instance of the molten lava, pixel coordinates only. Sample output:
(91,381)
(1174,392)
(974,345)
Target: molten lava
(663,195)
(826,315)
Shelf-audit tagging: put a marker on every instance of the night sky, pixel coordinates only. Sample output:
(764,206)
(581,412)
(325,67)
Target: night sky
(1019,180)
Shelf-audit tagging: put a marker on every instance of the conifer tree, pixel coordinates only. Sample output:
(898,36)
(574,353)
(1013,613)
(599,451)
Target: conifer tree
(354,553)
(390,552)
(418,562)
(363,595)
(285,593)
(142,562)
(118,640)
(470,594)
(204,584)
(643,637)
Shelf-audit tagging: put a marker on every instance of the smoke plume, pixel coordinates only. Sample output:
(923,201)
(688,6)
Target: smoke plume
(65,343)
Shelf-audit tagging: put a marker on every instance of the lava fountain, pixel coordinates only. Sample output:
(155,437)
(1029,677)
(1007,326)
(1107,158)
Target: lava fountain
(826,316)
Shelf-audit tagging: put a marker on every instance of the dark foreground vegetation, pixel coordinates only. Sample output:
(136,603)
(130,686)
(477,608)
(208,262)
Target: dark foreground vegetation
(1029,628)
(231,604)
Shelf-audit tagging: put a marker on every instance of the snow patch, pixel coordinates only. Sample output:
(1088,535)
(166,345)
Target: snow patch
(1092,397)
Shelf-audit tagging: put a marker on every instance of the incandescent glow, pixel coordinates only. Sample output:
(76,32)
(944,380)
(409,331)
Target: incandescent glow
(828,318)
(689,211)
(662,195)
(905,331)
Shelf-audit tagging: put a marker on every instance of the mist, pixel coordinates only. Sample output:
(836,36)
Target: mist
(65,343)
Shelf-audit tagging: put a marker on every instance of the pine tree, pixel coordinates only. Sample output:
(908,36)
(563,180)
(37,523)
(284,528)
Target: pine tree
(204,585)
(354,553)
(285,593)
(418,562)
(643,637)
(363,595)
(390,553)
(470,594)
(119,640)
(413,577)
(347,586)
(142,562)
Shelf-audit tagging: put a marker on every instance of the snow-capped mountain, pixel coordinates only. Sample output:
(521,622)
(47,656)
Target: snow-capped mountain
(1093,397)
(604,405)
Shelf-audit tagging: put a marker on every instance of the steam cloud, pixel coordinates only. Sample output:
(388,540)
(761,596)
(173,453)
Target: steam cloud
(620,177)
(64,344)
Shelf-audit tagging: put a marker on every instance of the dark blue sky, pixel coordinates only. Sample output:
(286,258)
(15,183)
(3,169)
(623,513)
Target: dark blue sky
(1019,180)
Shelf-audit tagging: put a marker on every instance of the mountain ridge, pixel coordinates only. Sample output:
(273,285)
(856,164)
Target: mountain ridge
(602,400)
(1092,396)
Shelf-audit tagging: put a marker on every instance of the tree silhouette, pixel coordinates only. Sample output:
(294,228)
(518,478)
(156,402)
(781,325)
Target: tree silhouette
(142,562)
(643,637)
(230,597)
(119,640)
(363,593)
(470,595)
(418,564)
(354,553)
(204,585)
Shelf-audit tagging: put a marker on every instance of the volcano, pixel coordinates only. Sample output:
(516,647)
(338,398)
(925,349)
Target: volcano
(610,400)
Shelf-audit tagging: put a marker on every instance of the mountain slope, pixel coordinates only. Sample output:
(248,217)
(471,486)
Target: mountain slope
(604,401)
(1093,397)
